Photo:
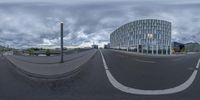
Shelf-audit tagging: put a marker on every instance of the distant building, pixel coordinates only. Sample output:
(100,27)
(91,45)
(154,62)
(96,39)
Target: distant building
(95,46)
(149,36)
(178,47)
(57,49)
(8,53)
(107,46)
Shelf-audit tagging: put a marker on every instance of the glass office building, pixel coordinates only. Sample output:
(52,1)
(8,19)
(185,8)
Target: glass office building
(150,36)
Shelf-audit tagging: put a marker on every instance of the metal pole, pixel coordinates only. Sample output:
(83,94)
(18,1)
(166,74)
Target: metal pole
(128,45)
(61,46)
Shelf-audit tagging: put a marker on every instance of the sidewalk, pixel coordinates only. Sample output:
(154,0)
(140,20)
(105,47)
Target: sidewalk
(148,55)
(50,59)
(52,71)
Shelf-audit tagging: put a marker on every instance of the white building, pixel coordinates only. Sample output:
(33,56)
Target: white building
(150,36)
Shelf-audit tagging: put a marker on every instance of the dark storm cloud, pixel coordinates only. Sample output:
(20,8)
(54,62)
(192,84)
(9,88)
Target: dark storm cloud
(33,24)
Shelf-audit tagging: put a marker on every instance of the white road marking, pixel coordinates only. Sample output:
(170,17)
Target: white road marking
(139,60)
(198,64)
(130,90)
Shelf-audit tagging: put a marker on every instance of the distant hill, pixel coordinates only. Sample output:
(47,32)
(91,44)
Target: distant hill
(192,47)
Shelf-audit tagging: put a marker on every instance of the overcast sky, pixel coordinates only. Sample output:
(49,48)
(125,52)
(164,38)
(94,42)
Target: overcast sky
(27,23)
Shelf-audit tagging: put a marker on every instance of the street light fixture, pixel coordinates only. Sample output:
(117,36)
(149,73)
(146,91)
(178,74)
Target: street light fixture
(150,35)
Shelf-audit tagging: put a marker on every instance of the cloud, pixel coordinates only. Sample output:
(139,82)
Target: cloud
(25,25)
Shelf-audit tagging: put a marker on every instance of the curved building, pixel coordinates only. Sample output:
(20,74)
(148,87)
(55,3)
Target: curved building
(150,36)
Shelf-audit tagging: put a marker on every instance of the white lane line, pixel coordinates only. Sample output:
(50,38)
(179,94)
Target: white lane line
(198,64)
(104,63)
(130,90)
(139,60)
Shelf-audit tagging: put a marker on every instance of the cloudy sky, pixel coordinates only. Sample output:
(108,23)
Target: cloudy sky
(32,23)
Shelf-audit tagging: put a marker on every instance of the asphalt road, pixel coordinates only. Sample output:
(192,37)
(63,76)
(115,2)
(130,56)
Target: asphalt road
(92,82)
(150,73)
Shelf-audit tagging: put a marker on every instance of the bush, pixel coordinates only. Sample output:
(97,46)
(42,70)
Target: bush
(48,53)
(31,52)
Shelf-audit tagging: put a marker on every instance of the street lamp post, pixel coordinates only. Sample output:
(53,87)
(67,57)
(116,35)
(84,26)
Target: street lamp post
(61,41)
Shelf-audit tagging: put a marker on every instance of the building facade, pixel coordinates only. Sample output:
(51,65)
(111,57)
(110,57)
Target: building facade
(150,36)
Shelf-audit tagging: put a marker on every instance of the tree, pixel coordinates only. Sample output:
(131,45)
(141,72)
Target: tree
(48,53)
(31,52)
